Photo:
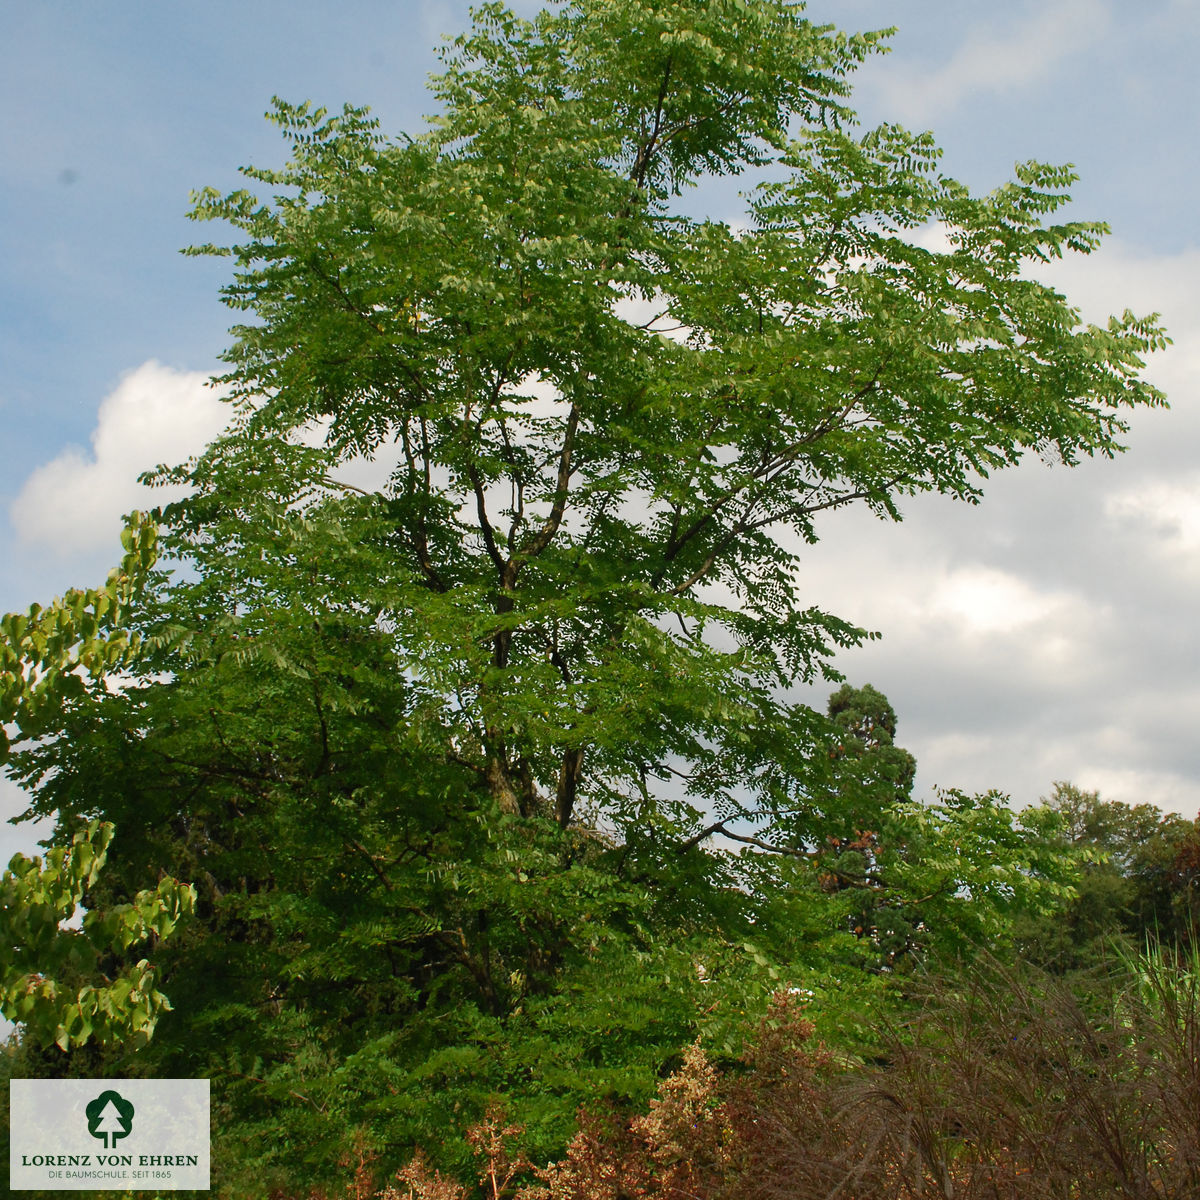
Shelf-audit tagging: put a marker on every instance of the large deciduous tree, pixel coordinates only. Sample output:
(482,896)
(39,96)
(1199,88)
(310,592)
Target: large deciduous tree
(485,765)
(589,540)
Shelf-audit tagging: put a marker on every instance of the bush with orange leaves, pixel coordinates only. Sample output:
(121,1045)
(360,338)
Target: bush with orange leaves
(1005,1087)
(705,1135)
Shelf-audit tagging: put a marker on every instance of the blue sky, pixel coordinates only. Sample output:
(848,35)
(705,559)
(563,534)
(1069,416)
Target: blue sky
(1049,634)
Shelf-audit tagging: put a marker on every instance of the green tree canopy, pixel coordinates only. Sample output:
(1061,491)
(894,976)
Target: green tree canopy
(489,776)
(589,546)
(1137,884)
(61,983)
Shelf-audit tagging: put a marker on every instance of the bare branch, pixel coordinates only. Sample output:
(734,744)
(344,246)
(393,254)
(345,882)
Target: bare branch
(721,828)
(485,525)
(545,535)
(645,154)
(329,481)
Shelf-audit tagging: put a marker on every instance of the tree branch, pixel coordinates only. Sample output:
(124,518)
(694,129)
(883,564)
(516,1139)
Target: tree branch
(485,525)
(545,535)
(721,828)
(641,165)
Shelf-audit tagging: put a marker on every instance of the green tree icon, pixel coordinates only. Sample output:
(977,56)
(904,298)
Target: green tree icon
(109,1116)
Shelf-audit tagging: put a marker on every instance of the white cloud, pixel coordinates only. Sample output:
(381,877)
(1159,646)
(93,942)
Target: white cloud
(1110,760)
(1168,511)
(74,503)
(1119,275)
(995,59)
(1166,790)
(1049,633)
(984,600)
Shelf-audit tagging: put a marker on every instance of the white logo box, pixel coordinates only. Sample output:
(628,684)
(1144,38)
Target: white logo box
(108,1135)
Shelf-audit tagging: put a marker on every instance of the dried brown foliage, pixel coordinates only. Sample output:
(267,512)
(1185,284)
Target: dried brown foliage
(678,1150)
(1005,1087)
(797,1121)
(422,1182)
(492,1140)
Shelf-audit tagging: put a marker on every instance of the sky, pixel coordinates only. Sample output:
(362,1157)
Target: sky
(1048,634)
